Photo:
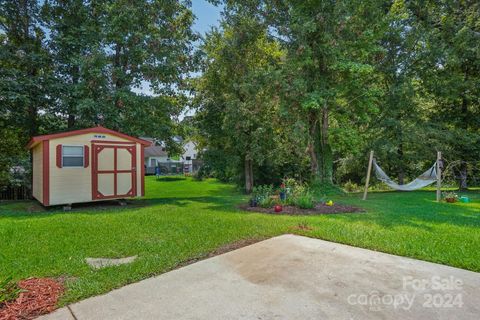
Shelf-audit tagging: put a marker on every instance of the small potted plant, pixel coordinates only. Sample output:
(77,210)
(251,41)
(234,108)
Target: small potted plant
(283,192)
(450,196)
(255,199)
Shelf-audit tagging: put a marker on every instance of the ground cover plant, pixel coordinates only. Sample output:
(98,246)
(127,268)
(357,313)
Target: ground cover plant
(184,220)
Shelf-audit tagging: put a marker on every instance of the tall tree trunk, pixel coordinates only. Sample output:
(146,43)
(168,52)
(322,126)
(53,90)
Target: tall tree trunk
(463,176)
(312,152)
(325,150)
(401,168)
(319,149)
(463,185)
(248,174)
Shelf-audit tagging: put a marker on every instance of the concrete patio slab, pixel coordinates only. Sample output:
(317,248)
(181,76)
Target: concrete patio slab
(293,277)
(60,314)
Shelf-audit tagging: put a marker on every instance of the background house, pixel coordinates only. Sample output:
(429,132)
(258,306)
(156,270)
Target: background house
(156,155)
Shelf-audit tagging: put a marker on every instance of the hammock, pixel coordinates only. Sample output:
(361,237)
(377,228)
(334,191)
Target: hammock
(425,179)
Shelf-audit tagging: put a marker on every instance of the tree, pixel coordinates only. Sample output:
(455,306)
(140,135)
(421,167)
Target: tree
(329,69)
(75,42)
(67,64)
(398,130)
(450,74)
(26,79)
(237,105)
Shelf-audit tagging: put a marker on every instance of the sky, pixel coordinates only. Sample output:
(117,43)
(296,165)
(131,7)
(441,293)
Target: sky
(207,15)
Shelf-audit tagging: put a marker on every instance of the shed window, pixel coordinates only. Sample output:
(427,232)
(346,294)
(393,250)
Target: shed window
(72,156)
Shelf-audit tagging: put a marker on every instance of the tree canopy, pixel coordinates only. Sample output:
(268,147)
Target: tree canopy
(281,88)
(399,77)
(75,64)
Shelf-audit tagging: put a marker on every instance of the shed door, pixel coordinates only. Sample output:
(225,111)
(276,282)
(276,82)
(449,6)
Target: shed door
(114,171)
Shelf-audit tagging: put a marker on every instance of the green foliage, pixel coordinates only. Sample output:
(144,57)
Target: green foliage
(450,195)
(350,186)
(326,188)
(8,290)
(304,201)
(75,64)
(238,111)
(298,194)
(399,78)
(263,195)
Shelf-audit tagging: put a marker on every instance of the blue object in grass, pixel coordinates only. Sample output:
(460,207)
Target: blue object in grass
(464,199)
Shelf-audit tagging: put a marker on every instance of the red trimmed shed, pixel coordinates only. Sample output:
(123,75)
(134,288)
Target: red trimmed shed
(87,165)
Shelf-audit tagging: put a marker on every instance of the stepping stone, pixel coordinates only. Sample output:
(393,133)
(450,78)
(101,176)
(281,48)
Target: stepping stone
(98,263)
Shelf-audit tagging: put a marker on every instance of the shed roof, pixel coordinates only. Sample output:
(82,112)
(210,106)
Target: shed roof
(99,129)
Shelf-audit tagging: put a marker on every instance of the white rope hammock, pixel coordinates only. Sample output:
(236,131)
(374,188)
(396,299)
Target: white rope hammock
(425,179)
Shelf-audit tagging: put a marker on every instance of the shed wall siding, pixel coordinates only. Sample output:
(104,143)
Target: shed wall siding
(37,176)
(140,164)
(72,185)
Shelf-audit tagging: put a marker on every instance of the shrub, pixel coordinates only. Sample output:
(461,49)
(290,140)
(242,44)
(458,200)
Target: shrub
(266,202)
(305,201)
(450,195)
(350,186)
(263,194)
(8,290)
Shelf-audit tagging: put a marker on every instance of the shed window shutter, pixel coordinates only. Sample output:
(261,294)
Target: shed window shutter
(86,157)
(59,155)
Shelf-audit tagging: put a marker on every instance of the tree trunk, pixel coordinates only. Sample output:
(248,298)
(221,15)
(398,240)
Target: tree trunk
(463,185)
(325,150)
(401,169)
(312,145)
(248,174)
(463,176)
(320,151)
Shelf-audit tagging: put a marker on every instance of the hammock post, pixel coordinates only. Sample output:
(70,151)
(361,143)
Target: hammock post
(369,171)
(439,176)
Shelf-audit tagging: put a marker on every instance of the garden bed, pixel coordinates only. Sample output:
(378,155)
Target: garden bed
(318,209)
(37,296)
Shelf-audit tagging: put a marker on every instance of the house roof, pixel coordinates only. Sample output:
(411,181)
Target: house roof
(155,151)
(99,129)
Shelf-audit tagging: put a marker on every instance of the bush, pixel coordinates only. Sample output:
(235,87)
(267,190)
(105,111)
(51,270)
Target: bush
(350,186)
(325,188)
(263,194)
(298,194)
(305,201)
(8,290)
(266,202)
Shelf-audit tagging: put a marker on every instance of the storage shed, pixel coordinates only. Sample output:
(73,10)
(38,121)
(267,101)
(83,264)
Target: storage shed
(87,165)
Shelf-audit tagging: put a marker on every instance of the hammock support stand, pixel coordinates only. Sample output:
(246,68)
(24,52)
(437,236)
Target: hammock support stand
(434,172)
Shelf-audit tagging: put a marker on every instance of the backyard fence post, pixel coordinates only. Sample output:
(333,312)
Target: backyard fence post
(439,176)
(369,171)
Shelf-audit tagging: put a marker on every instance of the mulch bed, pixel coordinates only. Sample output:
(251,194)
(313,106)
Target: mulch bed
(39,296)
(317,210)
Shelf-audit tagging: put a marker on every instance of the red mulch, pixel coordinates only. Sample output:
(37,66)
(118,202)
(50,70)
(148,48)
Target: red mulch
(318,209)
(39,296)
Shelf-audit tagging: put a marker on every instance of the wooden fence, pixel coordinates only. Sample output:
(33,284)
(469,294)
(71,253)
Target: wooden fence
(15,193)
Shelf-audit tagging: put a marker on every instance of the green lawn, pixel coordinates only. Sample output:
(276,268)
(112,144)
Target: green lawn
(183,219)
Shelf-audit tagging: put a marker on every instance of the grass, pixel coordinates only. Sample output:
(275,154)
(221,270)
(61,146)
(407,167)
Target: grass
(182,219)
